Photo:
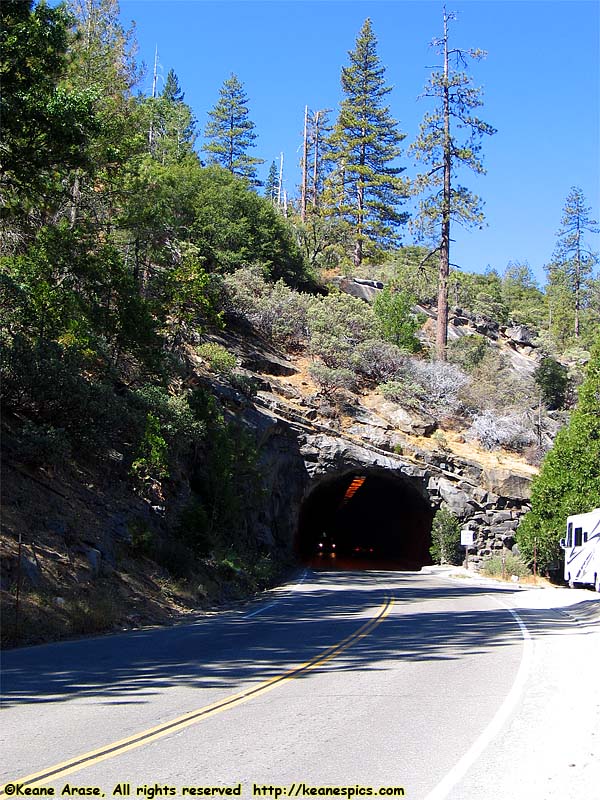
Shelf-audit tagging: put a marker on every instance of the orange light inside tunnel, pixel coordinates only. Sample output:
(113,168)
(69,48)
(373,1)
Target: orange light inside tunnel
(353,488)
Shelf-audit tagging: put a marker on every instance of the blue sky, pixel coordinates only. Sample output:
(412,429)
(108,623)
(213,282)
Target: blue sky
(541,83)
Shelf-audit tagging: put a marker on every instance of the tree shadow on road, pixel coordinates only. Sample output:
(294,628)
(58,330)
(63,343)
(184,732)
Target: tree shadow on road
(229,651)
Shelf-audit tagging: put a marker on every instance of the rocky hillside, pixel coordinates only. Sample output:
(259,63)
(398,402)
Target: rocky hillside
(96,555)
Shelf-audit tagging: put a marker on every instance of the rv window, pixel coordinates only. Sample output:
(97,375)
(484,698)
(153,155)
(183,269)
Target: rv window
(585,536)
(570,534)
(578,532)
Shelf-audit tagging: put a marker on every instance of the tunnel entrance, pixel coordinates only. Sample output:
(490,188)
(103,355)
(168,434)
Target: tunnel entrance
(365,519)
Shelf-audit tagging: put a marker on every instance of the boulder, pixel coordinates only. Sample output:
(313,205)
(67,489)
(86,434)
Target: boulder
(486,327)
(455,498)
(508,484)
(94,557)
(519,335)
(365,417)
(372,435)
(268,364)
(401,419)
(361,290)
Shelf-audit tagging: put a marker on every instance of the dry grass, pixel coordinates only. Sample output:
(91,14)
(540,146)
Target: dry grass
(46,615)
(526,580)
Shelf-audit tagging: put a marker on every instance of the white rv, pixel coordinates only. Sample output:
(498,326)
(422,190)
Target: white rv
(582,549)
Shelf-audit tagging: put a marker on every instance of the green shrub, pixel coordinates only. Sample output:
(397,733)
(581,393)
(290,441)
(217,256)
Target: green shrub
(402,391)
(276,310)
(494,385)
(141,537)
(331,380)
(569,479)
(194,528)
(337,324)
(468,351)
(445,538)
(43,445)
(398,324)
(552,379)
(178,422)
(245,384)
(513,565)
(263,570)
(98,612)
(152,461)
(439,437)
(219,359)
(175,556)
(378,361)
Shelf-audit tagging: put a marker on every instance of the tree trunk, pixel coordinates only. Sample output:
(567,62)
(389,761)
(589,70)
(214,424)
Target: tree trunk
(316,162)
(304,167)
(441,339)
(358,253)
(577,278)
(75,199)
(360,210)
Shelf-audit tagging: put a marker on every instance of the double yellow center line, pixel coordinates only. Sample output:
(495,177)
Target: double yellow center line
(192,717)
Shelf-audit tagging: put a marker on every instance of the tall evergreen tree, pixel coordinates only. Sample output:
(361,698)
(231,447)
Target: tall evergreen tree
(571,271)
(172,90)
(230,132)
(104,51)
(441,146)
(103,60)
(521,295)
(172,124)
(46,125)
(272,183)
(364,187)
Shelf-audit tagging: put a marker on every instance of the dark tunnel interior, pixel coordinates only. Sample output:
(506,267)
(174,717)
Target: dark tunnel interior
(365,520)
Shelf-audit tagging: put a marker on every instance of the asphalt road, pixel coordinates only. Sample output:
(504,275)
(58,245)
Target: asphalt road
(348,679)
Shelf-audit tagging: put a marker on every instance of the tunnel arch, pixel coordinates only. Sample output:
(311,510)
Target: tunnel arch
(363,518)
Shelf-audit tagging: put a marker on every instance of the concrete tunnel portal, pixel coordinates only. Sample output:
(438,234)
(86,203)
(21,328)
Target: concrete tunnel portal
(365,519)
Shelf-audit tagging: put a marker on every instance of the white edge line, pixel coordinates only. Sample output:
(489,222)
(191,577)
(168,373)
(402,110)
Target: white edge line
(499,719)
(260,610)
(274,603)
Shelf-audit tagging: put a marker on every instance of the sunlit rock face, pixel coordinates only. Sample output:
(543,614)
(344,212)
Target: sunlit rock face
(309,468)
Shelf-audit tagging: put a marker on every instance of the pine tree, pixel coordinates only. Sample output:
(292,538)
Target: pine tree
(272,183)
(104,52)
(571,270)
(103,61)
(172,89)
(440,148)
(230,132)
(364,187)
(173,127)
(521,295)
(569,481)
(47,125)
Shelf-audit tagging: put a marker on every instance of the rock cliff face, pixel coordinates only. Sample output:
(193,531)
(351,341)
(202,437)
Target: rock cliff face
(300,454)
(304,449)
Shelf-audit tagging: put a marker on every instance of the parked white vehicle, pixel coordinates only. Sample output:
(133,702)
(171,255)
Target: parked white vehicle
(582,549)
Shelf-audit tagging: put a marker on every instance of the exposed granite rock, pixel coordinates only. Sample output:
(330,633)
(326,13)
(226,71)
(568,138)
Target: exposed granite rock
(362,289)
(375,436)
(509,484)
(366,417)
(268,364)
(519,335)
(458,501)
(416,423)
